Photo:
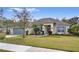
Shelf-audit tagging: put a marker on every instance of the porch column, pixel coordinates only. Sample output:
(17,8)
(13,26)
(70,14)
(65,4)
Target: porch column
(66,32)
(44,29)
(11,31)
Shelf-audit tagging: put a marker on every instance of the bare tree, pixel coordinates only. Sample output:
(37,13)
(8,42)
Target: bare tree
(24,17)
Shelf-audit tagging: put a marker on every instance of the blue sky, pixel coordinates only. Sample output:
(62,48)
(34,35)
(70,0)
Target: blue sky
(45,12)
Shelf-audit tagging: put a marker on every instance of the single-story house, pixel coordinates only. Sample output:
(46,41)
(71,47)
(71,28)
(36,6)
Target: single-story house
(54,25)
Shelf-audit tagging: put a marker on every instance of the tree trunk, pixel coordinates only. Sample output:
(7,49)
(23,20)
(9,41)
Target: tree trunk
(24,26)
(24,33)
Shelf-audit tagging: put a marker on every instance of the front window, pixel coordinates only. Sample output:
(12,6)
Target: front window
(60,29)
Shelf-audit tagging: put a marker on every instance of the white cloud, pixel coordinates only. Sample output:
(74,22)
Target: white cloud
(32,9)
(18,9)
(28,9)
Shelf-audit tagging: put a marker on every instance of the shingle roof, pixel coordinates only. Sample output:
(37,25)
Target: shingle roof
(50,20)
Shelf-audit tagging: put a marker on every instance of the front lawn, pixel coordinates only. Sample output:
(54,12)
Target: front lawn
(66,43)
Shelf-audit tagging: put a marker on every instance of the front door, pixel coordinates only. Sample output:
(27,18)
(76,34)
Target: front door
(48,28)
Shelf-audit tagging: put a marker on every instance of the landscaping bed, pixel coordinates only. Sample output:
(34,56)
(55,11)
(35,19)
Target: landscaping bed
(65,43)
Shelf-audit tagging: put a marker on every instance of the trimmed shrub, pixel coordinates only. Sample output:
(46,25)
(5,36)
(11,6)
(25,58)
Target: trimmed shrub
(36,30)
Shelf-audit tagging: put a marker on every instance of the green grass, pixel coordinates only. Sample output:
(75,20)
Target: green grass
(66,43)
(1,50)
(2,36)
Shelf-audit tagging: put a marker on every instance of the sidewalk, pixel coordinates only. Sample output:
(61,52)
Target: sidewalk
(22,48)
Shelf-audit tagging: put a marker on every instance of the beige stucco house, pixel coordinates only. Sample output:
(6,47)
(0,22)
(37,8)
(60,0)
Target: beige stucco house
(48,24)
(56,26)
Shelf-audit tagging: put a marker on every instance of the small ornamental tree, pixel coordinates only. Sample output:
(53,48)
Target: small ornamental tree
(24,17)
(36,29)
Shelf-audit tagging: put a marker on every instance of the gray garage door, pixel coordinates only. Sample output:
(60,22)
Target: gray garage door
(18,31)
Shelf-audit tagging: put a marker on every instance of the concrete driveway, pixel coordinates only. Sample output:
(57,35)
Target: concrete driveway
(22,48)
